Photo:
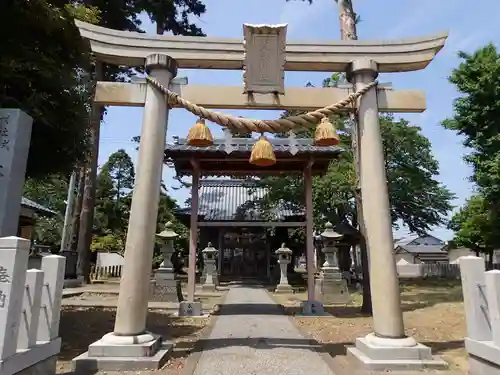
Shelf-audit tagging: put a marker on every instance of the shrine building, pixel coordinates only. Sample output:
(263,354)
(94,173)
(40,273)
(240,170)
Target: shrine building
(228,213)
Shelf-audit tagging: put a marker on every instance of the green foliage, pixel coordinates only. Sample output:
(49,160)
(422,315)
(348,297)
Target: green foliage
(173,15)
(475,118)
(475,226)
(40,73)
(417,199)
(50,192)
(108,242)
(476,114)
(113,201)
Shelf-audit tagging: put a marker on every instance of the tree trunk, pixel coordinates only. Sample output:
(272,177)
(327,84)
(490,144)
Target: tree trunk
(87,213)
(75,222)
(347,19)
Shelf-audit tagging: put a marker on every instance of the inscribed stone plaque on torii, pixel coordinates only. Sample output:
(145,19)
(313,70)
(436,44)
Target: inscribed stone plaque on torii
(264,65)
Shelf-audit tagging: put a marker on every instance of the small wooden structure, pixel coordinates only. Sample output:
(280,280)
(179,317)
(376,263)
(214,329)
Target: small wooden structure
(27,219)
(227,212)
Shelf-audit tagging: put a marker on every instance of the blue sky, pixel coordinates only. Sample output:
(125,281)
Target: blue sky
(469,26)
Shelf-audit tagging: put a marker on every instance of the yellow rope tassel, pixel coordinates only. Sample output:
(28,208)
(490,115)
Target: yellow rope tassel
(200,135)
(262,153)
(326,134)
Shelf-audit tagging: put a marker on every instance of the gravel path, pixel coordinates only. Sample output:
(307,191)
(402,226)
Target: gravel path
(252,336)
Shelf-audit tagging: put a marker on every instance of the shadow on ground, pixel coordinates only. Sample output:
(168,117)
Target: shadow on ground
(80,327)
(332,349)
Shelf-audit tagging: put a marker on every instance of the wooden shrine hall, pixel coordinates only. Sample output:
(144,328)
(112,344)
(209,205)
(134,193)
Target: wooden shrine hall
(225,210)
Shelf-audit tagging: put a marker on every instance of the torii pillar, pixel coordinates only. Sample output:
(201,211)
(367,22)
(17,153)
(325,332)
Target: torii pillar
(130,346)
(387,347)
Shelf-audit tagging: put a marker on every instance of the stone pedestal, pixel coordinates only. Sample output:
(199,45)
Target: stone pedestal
(284,257)
(374,353)
(15,137)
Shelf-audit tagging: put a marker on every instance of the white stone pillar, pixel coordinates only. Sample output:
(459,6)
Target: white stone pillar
(472,273)
(53,267)
(135,282)
(15,138)
(14,252)
(492,282)
(386,299)
(387,348)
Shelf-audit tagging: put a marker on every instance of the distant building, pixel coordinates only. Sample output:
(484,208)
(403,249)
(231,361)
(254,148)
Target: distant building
(416,249)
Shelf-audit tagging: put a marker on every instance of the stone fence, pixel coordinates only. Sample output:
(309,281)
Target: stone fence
(481,292)
(30,305)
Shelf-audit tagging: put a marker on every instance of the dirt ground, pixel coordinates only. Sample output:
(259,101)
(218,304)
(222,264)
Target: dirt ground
(433,314)
(80,327)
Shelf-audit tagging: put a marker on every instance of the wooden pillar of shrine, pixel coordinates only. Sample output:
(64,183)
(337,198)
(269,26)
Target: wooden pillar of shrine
(193,234)
(309,231)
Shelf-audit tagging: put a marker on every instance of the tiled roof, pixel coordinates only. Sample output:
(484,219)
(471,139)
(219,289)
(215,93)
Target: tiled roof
(304,145)
(28,203)
(421,249)
(235,200)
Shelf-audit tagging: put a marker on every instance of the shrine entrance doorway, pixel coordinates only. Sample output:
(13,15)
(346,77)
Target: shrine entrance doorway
(245,254)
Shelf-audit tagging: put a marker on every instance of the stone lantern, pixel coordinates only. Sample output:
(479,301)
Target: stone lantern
(331,287)
(330,240)
(209,254)
(166,238)
(284,257)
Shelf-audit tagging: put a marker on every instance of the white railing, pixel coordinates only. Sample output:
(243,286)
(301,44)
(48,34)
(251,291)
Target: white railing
(99,273)
(481,292)
(30,306)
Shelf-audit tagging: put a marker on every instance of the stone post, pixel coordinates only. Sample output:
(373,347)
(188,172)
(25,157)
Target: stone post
(284,256)
(387,347)
(15,137)
(209,254)
(120,349)
(14,252)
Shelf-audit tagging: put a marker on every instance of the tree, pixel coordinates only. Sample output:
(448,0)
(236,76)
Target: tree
(476,227)
(172,15)
(475,117)
(50,192)
(41,73)
(121,169)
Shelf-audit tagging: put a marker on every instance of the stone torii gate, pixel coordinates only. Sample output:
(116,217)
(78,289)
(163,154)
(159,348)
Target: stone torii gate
(264,55)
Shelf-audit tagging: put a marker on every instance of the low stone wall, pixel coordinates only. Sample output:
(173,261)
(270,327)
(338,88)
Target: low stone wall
(481,292)
(30,304)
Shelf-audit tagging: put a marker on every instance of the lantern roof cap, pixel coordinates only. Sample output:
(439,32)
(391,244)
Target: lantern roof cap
(167,233)
(209,249)
(329,233)
(283,250)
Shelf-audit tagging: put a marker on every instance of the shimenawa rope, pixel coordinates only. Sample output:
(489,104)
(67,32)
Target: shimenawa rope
(240,124)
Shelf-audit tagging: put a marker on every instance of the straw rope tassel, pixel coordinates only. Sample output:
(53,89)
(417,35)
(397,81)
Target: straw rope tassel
(262,153)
